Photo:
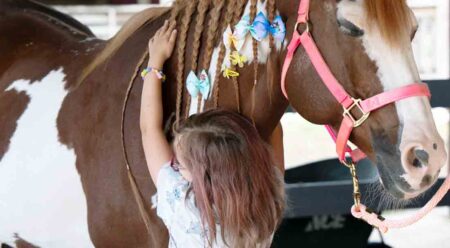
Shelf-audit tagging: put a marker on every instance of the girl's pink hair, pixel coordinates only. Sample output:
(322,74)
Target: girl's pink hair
(234,178)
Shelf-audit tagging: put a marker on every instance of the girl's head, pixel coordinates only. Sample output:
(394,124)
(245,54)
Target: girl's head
(232,175)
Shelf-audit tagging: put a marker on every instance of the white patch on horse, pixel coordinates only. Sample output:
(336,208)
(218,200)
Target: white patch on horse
(193,107)
(397,68)
(42,199)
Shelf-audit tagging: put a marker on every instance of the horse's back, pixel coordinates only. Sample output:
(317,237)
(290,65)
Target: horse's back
(8,7)
(52,163)
(41,196)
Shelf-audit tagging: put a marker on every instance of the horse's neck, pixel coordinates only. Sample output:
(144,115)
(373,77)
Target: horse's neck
(269,103)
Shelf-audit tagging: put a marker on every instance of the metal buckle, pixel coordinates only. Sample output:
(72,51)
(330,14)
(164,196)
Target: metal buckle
(297,25)
(360,121)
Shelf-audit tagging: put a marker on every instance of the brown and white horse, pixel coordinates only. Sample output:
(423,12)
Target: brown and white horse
(63,176)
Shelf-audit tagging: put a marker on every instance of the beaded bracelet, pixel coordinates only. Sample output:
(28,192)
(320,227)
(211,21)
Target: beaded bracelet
(157,72)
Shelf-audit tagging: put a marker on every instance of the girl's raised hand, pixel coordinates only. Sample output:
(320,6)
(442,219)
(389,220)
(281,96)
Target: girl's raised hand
(161,45)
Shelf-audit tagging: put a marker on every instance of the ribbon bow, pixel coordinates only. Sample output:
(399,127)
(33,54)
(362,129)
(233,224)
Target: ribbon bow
(237,59)
(261,27)
(197,85)
(228,73)
(229,39)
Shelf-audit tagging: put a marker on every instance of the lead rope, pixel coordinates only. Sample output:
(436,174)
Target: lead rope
(360,211)
(136,193)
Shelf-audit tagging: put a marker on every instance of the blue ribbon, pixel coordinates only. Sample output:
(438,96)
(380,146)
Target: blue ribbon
(261,27)
(197,85)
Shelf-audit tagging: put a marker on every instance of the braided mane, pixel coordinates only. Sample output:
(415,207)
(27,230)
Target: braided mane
(221,13)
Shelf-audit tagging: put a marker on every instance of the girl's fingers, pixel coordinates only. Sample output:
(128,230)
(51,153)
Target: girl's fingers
(164,27)
(173,37)
(157,33)
(173,23)
(169,30)
(172,26)
(165,31)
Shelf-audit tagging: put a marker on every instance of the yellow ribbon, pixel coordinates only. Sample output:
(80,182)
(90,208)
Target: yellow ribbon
(237,59)
(232,39)
(228,73)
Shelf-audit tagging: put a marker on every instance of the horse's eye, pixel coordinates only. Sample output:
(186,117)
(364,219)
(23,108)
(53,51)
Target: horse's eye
(349,28)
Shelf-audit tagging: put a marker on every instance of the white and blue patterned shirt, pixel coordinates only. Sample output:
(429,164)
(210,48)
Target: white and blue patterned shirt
(180,216)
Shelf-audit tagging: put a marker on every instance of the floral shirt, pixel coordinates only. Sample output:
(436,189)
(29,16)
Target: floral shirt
(180,216)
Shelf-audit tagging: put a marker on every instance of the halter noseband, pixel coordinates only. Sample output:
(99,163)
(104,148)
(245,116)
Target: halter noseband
(350,122)
(365,107)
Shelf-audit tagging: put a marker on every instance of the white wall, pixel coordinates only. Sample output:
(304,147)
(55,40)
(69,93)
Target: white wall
(431,45)
(104,20)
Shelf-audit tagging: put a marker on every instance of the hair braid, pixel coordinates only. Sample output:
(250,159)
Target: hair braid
(237,14)
(271,15)
(235,81)
(228,18)
(213,25)
(181,47)
(202,8)
(236,90)
(212,30)
(228,15)
(218,73)
(271,63)
(176,10)
(253,9)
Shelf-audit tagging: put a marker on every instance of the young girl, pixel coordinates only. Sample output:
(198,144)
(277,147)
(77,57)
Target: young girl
(217,184)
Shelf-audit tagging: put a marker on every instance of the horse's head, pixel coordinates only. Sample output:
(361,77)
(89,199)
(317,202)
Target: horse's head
(367,45)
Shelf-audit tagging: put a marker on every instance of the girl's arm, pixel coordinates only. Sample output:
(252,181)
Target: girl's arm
(156,148)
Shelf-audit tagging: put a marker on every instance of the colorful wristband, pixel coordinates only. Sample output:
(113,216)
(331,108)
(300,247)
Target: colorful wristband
(157,72)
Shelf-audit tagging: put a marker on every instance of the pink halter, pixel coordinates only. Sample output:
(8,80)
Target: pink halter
(350,122)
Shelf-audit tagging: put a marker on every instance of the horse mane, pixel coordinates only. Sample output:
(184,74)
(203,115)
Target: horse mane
(210,19)
(393,18)
(222,13)
(128,29)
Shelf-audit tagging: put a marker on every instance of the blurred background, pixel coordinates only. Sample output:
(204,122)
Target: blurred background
(302,139)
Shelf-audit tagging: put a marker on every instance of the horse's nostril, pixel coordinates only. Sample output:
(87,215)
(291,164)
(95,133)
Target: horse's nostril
(426,181)
(418,158)
(422,156)
(416,163)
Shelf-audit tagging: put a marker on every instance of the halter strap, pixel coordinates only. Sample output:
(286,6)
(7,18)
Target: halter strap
(349,121)
(348,103)
(303,12)
(369,105)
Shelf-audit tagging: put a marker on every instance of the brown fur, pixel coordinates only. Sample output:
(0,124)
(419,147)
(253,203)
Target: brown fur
(89,118)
